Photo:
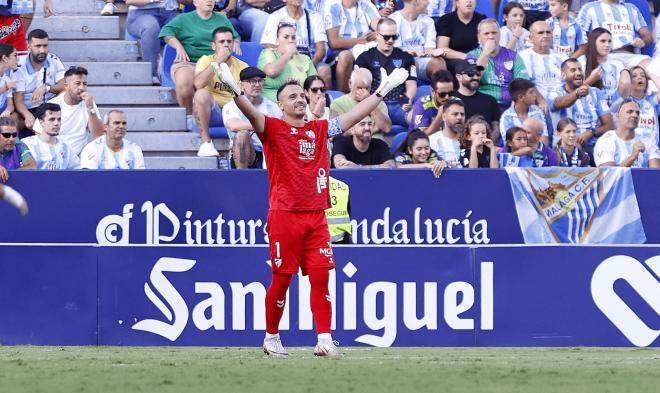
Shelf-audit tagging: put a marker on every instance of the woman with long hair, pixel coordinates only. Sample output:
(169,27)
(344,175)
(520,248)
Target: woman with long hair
(477,151)
(417,153)
(314,88)
(8,63)
(568,152)
(602,72)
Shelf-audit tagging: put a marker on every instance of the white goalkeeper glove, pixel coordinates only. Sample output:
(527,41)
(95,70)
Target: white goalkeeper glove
(13,197)
(223,73)
(389,82)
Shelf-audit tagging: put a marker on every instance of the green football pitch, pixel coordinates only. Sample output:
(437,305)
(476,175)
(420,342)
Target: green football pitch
(194,369)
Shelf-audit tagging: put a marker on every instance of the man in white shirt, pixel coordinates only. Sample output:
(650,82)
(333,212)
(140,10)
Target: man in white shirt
(39,80)
(79,112)
(621,147)
(245,148)
(445,142)
(543,66)
(47,150)
(112,150)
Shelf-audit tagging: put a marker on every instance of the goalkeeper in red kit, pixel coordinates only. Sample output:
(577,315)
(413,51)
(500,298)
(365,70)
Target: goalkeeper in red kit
(296,154)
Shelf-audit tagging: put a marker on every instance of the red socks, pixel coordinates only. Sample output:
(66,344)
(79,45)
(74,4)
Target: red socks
(320,299)
(275,301)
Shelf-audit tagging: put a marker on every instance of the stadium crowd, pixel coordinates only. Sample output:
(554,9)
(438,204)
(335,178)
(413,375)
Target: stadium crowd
(557,83)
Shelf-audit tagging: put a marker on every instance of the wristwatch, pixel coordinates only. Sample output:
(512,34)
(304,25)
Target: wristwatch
(92,111)
(47,88)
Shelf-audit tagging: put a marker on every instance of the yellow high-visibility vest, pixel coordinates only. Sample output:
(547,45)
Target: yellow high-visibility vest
(339,219)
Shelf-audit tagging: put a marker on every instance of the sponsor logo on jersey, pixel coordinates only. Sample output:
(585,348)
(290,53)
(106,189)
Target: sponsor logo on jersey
(321,180)
(306,149)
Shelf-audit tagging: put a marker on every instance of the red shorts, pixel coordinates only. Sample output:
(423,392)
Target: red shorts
(12,32)
(299,239)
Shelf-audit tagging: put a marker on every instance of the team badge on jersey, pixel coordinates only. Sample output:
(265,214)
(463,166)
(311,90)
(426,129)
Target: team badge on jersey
(397,63)
(310,134)
(508,65)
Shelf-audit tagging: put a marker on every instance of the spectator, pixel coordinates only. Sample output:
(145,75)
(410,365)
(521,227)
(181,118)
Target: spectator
(211,92)
(245,148)
(417,36)
(47,150)
(542,154)
(477,150)
(468,73)
(516,152)
(425,110)
(535,10)
(602,70)
(418,154)
(315,93)
(189,34)
(568,38)
(622,147)
(79,111)
(524,97)
(635,84)
(439,8)
(144,21)
(359,149)
(311,38)
(347,24)
(8,65)
(501,65)
(446,141)
(584,104)
(112,150)
(388,57)
(624,21)
(457,32)
(14,154)
(568,152)
(252,17)
(513,34)
(360,88)
(15,20)
(284,62)
(39,80)
(543,66)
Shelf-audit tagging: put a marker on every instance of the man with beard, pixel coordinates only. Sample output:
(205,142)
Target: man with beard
(112,150)
(361,150)
(468,73)
(426,108)
(39,80)
(79,112)
(48,151)
(14,154)
(446,142)
(621,147)
(586,105)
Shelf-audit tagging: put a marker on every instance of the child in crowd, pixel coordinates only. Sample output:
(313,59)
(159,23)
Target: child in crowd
(568,38)
(513,35)
(516,152)
(567,151)
(477,151)
(417,153)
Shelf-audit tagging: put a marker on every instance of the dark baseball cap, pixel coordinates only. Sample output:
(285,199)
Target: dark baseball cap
(251,72)
(468,65)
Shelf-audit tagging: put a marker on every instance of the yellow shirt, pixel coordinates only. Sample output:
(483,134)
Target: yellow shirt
(220,90)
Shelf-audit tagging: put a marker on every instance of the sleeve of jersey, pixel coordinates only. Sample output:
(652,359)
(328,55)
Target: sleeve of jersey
(334,128)
(268,124)
(637,18)
(519,69)
(603,151)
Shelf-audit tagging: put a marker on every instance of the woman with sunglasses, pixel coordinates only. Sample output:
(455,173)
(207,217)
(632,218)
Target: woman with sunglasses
(284,62)
(315,93)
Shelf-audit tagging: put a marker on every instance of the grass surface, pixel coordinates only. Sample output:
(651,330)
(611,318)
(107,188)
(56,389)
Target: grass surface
(193,369)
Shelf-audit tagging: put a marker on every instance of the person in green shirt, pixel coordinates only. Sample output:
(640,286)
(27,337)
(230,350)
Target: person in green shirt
(284,62)
(190,34)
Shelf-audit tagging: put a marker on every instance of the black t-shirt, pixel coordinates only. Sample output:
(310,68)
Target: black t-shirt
(373,60)
(480,104)
(462,37)
(377,153)
(483,159)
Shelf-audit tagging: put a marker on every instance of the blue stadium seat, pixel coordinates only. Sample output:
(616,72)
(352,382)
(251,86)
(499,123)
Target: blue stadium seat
(500,11)
(485,7)
(251,52)
(397,141)
(334,94)
(396,129)
(422,91)
(169,54)
(188,8)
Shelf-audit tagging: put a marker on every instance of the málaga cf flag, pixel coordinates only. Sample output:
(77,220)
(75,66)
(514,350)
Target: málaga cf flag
(576,205)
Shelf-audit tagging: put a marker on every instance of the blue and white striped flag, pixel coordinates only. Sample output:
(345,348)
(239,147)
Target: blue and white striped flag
(576,205)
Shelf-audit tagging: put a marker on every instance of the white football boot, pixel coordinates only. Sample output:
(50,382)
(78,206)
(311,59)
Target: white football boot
(327,348)
(273,347)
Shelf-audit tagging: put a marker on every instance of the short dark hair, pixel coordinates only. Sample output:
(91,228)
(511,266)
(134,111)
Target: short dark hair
(75,70)
(310,79)
(443,76)
(46,106)
(452,101)
(221,29)
(287,83)
(37,33)
(413,136)
(7,122)
(512,131)
(6,49)
(566,62)
(519,86)
(510,6)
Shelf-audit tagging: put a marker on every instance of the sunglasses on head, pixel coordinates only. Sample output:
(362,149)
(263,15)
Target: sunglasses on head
(443,94)
(8,135)
(388,37)
(317,89)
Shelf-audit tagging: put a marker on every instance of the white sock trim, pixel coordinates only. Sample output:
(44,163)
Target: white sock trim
(325,337)
(269,335)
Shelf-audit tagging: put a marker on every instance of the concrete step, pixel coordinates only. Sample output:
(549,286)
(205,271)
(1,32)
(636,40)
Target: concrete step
(79,27)
(153,119)
(116,73)
(160,162)
(133,95)
(172,141)
(95,50)
(79,7)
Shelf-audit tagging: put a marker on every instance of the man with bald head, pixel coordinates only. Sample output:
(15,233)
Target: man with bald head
(543,66)
(542,154)
(360,88)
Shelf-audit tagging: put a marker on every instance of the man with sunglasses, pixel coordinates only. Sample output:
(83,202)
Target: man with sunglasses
(388,57)
(426,108)
(14,154)
(468,73)
(211,93)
